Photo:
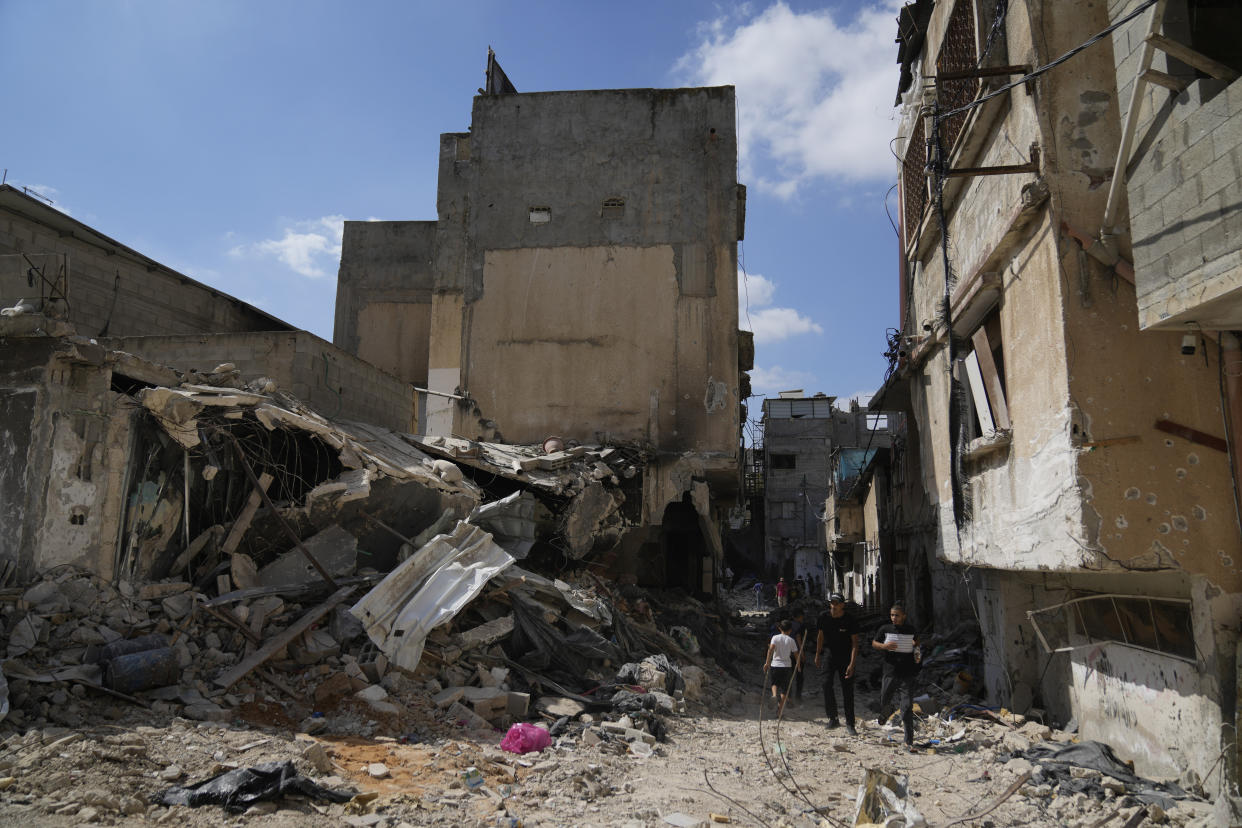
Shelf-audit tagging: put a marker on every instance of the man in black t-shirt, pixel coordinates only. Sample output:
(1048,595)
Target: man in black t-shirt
(838,634)
(899,643)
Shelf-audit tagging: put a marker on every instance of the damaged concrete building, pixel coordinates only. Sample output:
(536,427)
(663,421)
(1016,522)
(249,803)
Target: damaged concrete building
(1075,446)
(88,324)
(579,283)
(801,436)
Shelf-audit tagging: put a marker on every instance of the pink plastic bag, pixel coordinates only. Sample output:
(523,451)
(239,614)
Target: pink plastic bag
(525,738)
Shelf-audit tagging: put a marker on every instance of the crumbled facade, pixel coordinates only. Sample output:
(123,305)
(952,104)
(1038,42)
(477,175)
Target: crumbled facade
(579,281)
(1069,455)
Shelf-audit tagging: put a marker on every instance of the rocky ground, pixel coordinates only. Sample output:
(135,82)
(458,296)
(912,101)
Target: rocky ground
(727,756)
(400,747)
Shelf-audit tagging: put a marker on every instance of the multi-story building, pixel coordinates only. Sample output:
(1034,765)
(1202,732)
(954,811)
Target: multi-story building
(1073,451)
(579,281)
(801,437)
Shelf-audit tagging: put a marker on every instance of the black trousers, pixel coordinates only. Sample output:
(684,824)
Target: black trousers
(837,669)
(889,686)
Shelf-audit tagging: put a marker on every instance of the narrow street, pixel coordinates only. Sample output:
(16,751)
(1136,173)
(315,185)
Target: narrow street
(727,757)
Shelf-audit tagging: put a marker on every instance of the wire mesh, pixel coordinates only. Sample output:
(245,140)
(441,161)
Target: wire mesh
(958,53)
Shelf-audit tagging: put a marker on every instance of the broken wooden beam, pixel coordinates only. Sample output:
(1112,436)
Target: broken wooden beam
(247,515)
(267,501)
(274,645)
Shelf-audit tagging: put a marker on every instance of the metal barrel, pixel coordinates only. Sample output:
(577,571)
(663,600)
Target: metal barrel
(124,646)
(132,672)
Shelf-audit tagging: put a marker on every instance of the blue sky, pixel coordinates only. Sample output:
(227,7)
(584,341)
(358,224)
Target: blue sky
(228,140)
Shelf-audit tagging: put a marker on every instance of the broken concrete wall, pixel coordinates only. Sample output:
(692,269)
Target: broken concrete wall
(1082,480)
(112,288)
(328,379)
(1160,710)
(1183,185)
(383,295)
(67,439)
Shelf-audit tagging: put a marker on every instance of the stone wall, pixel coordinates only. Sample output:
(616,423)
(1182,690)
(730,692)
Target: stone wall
(113,290)
(334,383)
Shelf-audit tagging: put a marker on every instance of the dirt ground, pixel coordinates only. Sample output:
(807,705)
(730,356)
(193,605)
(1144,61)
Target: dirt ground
(727,756)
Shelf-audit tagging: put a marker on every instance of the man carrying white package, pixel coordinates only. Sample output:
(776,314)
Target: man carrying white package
(899,642)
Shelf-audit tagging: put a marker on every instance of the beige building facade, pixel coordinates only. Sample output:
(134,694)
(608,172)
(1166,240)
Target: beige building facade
(1074,460)
(579,281)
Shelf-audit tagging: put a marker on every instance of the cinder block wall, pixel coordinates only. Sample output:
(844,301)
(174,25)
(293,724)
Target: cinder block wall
(114,290)
(1185,182)
(336,384)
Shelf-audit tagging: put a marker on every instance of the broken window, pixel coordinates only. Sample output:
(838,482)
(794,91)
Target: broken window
(540,215)
(782,461)
(985,368)
(1161,625)
(877,422)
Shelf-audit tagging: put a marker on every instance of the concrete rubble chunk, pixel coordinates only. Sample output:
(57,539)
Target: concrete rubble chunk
(448,696)
(318,758)
(487,634)
(377,770)
(177,606)
(334,548)
(157,592)
(557,706)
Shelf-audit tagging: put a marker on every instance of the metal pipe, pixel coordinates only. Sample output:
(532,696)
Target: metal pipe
(440,393)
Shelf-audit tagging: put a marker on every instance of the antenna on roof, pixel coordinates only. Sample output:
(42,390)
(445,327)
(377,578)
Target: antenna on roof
(36,194)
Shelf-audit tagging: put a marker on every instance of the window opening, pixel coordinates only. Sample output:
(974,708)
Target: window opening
(782,461)
(1160,625)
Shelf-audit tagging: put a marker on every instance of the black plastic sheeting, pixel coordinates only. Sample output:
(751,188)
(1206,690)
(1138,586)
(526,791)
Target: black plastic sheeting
(673,681)
(539,645)
(237,790)
(1055,760)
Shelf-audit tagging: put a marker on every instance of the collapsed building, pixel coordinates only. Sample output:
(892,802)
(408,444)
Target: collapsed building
(1078,450)
(579,282)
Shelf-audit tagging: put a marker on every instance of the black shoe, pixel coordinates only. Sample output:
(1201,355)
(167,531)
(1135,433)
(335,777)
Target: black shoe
(849,728)
(833,724)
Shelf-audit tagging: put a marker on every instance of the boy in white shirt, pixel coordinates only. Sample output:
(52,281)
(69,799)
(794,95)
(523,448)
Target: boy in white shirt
(782,653)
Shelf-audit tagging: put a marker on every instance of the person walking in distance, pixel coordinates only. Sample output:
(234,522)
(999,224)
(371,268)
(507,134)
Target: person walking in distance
(782,593)
(779,664)
(838,634)
(758,595)
(899,642)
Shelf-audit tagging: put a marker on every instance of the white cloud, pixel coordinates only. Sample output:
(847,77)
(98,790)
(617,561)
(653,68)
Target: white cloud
(814,91)
(310,248)
(768,382)
(770,324)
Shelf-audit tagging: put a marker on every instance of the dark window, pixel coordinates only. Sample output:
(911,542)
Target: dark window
(783,461)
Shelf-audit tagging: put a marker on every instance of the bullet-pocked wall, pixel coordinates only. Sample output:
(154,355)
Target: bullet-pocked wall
(586,261)
(1071,474)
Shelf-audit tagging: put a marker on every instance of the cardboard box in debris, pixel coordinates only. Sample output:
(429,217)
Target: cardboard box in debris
(265,548)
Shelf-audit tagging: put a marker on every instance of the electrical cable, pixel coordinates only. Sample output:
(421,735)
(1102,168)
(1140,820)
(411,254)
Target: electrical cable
(1047,66)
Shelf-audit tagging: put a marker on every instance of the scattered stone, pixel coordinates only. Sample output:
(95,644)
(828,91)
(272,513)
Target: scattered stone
(318,758)
(172,773)
(377,770)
